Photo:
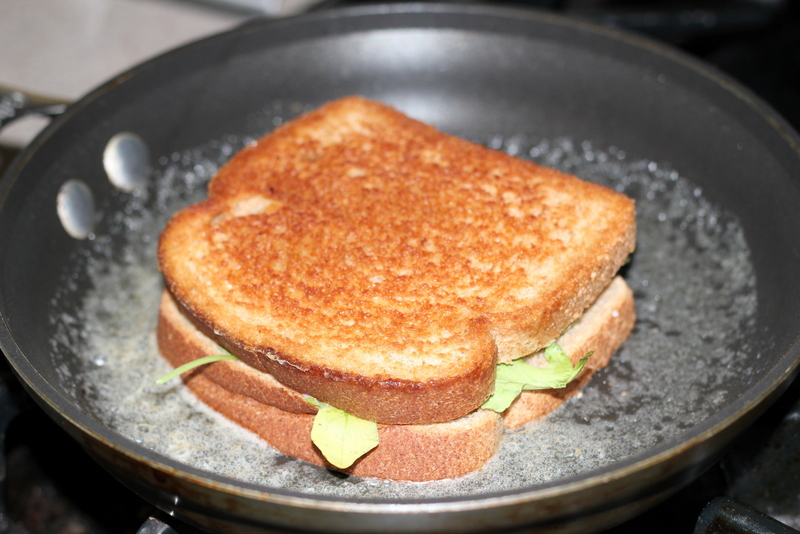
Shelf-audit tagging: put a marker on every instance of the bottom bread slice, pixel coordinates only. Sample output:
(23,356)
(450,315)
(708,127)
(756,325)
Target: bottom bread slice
(405,452)
(283,418)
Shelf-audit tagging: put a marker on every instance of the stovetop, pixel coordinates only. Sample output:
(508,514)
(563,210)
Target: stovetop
(52,486)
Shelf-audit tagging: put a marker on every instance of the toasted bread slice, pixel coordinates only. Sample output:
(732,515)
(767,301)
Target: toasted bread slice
(283,418)
(381,266)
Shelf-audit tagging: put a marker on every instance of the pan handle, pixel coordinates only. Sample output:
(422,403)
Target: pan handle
(15,104)
(153,525)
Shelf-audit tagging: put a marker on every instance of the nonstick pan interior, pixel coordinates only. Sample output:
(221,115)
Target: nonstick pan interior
(713,171)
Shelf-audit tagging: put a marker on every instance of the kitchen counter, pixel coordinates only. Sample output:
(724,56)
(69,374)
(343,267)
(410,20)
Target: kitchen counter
(65,48)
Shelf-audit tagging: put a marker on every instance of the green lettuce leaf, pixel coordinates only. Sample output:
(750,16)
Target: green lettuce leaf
(512,378)
(194,363)
(342,438)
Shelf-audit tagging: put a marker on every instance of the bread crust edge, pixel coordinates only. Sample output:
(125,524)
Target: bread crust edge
(416,452)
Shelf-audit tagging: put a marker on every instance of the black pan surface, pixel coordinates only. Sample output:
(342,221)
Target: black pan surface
(714,171)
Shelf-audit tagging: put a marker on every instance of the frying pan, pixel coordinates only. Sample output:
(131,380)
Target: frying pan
(484,73)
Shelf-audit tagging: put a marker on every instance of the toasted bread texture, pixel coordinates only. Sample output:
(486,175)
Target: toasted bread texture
(381,266)
(283,418)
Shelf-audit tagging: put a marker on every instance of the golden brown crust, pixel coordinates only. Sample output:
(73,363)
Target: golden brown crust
(381,266)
